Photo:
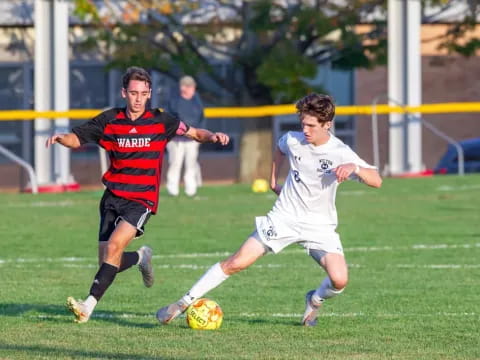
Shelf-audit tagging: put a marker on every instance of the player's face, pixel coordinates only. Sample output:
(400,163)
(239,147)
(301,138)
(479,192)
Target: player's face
(316,133)
(137,95)
(187,91)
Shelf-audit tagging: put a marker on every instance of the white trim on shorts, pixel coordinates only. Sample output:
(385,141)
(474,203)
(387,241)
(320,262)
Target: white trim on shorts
(141,221)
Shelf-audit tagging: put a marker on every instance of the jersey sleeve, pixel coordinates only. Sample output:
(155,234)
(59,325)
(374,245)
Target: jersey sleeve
(350,156)
(174,126)
(92,130)
(282,144)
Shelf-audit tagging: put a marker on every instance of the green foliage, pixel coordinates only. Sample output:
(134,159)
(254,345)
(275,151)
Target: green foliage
(412,247)
(271,49)
(274,58)
(287,78)
(470,48)
(86,10)
(351,52)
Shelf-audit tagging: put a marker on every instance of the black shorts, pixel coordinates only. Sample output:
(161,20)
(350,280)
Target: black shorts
(114,208)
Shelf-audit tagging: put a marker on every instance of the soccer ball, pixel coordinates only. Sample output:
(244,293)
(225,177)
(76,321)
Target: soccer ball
(260,186)
(204,314)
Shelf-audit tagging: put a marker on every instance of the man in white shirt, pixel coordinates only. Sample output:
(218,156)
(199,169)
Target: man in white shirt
(304,212)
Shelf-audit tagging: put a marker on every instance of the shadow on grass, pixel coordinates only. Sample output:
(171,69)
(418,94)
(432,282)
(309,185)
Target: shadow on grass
(60,314)
(58,352)
(263,321)
(57,313)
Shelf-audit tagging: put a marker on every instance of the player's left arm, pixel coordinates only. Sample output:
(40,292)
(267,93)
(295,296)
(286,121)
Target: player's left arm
(206,136)
(369,176)
(278,159)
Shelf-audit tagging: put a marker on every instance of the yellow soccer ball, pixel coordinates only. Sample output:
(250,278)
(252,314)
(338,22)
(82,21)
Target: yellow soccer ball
(204,314)
(260,186)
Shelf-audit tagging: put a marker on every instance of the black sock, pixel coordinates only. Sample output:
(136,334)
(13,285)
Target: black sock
(103,279)
(128,260)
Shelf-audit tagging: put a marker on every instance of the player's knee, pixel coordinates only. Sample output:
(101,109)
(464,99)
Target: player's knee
(113,249)
(340,282)
(232,266)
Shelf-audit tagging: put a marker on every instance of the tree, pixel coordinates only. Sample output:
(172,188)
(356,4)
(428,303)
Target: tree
(272,48)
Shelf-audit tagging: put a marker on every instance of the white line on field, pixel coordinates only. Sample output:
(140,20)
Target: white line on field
(258,266)
(203,267)
(457,188)
(100,315)
(217,254)
(352,192)
(438,266)
(55,204)
(360,314)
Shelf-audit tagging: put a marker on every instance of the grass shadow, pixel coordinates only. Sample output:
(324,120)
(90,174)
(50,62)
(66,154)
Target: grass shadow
(57,313)
(260,321)
(58,352)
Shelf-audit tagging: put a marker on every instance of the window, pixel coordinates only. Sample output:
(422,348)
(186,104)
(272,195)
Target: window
(12,94)
(88,90)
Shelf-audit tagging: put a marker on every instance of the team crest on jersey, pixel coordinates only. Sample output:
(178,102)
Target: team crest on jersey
(133,143)
(325,167)
(270,233)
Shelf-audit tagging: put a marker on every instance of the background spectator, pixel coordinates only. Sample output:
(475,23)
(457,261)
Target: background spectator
(187,105)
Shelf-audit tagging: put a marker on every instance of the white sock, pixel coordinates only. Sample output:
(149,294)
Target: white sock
(325,291)
(210,280)
(90,303)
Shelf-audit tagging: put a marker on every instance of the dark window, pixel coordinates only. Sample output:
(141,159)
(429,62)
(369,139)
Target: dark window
(88,90)
(11,98)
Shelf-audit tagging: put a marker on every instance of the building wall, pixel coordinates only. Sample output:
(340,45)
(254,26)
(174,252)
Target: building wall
(445,78)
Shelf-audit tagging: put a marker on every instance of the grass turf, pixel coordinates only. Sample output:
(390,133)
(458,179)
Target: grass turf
(413,247)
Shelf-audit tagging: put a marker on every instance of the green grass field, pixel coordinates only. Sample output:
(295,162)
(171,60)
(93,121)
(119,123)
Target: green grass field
(414,292)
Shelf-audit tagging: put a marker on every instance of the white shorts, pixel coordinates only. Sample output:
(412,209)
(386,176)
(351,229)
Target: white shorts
(277,233)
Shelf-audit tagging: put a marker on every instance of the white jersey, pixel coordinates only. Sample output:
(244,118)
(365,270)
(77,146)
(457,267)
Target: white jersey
(308,195)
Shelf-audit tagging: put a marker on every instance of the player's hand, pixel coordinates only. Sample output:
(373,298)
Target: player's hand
(221,138)
(344,171)
(53,139)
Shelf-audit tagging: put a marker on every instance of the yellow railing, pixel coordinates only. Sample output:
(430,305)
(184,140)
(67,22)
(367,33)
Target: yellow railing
(258,111)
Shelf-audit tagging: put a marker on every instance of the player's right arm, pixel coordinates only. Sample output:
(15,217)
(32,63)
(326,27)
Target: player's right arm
(278,158)
(69,140)
(88,132)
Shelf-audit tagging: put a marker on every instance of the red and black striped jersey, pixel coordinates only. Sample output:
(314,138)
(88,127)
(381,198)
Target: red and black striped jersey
(136,149)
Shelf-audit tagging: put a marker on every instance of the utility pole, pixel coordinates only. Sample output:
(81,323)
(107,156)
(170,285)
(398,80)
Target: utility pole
(43,101)
(52,89)
(61,88)
(404,84)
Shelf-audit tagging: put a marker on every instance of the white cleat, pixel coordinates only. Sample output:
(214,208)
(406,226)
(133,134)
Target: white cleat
(79,309)
(145,265)
(311,310)
(168,313)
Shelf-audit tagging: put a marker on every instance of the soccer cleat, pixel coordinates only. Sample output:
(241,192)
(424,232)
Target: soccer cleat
(168,313)
(145,265)
(79,309)
(311,310)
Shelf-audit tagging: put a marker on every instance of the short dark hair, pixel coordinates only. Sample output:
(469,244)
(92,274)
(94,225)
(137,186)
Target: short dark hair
(136,73)
(318,105)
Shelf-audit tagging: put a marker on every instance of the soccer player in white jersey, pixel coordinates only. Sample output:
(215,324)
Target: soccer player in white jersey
(304,212)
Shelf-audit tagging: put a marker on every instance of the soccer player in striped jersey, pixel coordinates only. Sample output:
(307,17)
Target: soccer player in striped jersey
(135,138)
(304,212)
